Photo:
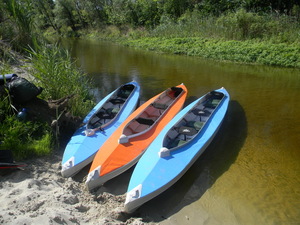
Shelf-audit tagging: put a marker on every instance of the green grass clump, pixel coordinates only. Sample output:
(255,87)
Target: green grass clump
(26,139)
(59,76)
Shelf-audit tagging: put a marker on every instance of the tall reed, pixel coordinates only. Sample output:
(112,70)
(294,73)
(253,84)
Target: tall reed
(20,23)
(60,77)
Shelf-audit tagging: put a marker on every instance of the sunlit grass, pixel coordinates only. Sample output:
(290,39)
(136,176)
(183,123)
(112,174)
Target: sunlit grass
(24,138)
(287,55)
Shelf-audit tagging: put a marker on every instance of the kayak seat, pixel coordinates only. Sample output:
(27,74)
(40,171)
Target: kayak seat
(216,102)
(117,101)
(191,117)
(197,125)
(145,115)
(159,105)
(212,103)
(94,122)
(112,111)
(165,100)
(188,130)
(104,116)
(175,143)
(108,105)
(152,112)
(135,127)
(131,128)
(172,134)
(145,121)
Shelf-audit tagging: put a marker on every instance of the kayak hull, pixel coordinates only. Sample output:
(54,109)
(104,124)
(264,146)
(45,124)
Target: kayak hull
(81,149)
(155,173)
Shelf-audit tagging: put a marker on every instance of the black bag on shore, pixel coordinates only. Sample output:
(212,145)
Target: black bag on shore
(21,90)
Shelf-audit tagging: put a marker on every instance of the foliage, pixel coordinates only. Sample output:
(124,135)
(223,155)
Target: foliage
(239,20)
(7,56)
(44,16)
(17,24)
(240,25)
(243,25)
(60,77)
(24,138)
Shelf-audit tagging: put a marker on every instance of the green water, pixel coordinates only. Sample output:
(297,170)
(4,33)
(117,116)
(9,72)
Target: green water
(250,172)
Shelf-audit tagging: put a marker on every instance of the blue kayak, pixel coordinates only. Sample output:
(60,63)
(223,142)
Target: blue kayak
(99,124)
(176,148)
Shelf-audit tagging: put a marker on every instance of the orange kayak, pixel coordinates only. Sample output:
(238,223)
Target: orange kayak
(127,144)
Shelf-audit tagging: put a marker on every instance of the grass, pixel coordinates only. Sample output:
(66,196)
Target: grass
(251,51)
(26,139)
(59,76)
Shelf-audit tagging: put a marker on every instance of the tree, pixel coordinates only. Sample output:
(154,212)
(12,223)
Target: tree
(19,20)
(44,14)
(64,14)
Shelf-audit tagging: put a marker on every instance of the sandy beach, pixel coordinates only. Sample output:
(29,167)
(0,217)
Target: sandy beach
(38,194)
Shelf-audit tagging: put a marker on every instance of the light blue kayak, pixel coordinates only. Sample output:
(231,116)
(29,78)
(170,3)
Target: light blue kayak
(100,123)
(176,148)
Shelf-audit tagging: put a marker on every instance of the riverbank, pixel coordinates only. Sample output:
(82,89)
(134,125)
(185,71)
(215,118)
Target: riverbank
(283,55)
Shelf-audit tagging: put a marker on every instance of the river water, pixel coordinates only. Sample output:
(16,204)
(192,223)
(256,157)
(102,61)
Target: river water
(250,172)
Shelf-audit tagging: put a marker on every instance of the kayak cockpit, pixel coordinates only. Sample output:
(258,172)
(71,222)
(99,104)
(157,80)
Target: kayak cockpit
(111,108)
(151,114)
(191,124)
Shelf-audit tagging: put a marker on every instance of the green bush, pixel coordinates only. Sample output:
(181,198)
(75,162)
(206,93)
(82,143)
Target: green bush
(239,25)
